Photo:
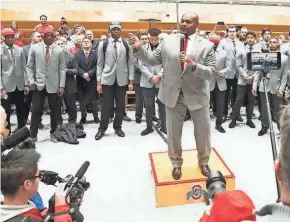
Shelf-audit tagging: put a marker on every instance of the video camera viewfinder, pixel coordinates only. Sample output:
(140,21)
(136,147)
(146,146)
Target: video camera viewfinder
(264,61)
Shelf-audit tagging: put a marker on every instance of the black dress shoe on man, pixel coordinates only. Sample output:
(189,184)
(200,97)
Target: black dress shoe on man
(97,120)
(138,120)
(240,119)
(99,135)
(83,120)
(154,119)
(263,131)
(120,133)
(250,123)
(176,173)
(205,170)
(147,131)
(163,130)
(233,123)
(126,118)
(220,128)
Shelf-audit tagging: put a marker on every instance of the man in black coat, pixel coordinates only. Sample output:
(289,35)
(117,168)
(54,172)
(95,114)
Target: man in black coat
(70,84)
(86,80)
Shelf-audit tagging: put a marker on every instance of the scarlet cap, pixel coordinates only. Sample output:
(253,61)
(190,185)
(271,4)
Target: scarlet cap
(7,31)
(214,39)
(48,30)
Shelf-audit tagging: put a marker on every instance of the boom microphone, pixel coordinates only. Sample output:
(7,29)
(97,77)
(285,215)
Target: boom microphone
(182,37)
(16,138)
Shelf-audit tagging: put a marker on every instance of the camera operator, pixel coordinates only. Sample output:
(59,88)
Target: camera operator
(276,85)
(281,212)
(19,183)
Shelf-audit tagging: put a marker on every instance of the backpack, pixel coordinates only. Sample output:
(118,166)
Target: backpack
(105,46)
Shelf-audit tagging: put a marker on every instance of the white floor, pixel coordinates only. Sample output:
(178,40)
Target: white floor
(120,175)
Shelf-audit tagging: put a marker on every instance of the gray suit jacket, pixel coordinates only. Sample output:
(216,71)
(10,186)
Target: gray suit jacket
(262,45)
(285,49)
(193,83)
(242,65)
(148,71)
(26,49)
(137,71)
(278,78)
(224,66)
(12,74)
(227,45)
(52,76)
(110,68)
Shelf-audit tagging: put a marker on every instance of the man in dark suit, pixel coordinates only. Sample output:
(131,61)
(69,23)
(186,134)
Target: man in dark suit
(35,38)
(86,80)
(13,82)
(115,75)
(70,84)
(46,75)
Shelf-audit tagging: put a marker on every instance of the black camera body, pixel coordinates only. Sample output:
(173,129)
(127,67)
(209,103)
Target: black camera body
(76,189)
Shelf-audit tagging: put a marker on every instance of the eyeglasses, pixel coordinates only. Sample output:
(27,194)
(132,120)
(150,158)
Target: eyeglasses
(59,43)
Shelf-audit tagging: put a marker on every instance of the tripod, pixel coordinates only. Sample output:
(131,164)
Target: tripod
(272,134)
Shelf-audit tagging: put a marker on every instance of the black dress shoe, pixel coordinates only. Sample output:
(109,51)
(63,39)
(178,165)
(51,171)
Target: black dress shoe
(164,130)
(205,170)
(138,120)
(126,118)
(240,119)
(83,120)
(263,131)
(233,123)
(250,123)
(97,120)
(220,129)
(225,119)
(120,133)
(147,131)
(40,126)
(176,173)
(155,119)
(158,125)
(99,135)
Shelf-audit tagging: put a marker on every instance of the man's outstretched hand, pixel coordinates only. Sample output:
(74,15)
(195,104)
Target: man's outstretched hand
(134,41)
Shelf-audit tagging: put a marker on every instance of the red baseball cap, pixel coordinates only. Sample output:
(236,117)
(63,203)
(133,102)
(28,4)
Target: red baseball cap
(48,30)
(7,31)
(231,206)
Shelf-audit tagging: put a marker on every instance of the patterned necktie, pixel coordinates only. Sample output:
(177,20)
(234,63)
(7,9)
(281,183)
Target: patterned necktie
(12,54)
(87,55)
(251,48)
(234,43)
(115,48)
(47,55)
(185,48)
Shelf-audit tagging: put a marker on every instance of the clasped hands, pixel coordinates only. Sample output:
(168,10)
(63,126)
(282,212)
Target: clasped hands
(86,76)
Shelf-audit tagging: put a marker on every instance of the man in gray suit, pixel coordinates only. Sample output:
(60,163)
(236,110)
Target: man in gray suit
(231,45)
(150,83)
(115,74)
(13,82)
(184,85)
(245,81)
(217,83)
(46,74)
(264,44)
(276,85)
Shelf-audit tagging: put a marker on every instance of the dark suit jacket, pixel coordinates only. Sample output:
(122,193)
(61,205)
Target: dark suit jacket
(71,71)
(95,45)
(86,66)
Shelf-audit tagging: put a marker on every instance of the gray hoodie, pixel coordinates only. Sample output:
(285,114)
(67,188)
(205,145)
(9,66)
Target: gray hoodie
(8,212)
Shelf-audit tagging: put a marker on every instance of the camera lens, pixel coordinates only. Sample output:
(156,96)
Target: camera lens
(215,183)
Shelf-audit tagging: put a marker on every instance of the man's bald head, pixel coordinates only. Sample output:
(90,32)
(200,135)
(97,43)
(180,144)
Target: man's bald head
(189,23)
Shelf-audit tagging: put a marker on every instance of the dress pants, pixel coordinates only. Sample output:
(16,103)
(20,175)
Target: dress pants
(139,101)
(201,120)
(231,84)
(275,105)
(16,97)
(88,92)
(149,98)
(70,102)
(243,91)
(38,97)
(111,93)
(27,105)
(218,100)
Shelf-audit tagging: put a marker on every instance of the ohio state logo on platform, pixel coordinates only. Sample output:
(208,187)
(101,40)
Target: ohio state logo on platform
(195,193)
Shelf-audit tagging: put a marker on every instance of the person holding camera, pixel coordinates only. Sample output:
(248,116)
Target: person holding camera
(276,85)
(19,183)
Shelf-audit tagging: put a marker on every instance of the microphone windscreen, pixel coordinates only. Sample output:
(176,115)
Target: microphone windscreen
(182,36)
(214,39)
(82,170)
